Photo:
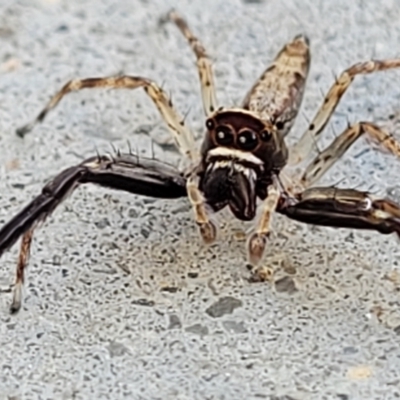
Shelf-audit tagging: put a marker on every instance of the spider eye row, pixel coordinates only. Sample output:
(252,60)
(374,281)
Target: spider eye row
(246,139)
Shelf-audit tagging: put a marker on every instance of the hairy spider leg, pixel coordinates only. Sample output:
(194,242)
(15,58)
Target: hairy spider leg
(257,241)
(331,154)
(204,65)
(310,137)
(183,137)
(207,228)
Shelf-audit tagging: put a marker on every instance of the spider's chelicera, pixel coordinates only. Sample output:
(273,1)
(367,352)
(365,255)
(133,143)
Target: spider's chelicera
(242,159)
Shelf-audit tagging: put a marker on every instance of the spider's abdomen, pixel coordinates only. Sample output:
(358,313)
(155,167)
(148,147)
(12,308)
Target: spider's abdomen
(277,95)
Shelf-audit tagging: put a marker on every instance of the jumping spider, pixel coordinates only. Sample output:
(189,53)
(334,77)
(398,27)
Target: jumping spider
(240,161)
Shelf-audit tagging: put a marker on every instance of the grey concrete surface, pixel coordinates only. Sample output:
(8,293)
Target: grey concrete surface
(122,298)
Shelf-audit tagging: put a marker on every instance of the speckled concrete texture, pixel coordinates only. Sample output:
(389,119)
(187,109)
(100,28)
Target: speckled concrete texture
(123,301)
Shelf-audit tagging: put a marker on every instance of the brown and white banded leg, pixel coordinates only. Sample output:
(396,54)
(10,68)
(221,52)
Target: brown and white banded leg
(257,241)
(181,134)
(203,63)
(342,208)
(207,228)
(23,259)
(305,145)
(328,157)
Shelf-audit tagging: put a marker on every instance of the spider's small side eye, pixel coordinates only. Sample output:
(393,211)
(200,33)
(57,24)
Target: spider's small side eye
(265,136)
(280,125)
(224,136)
(247,140)
(210,124)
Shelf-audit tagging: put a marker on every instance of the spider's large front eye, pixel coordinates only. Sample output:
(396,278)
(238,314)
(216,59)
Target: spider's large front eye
(224,136)
(247,140)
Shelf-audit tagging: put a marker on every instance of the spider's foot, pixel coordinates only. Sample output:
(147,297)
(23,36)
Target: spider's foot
(208,231)
(167,17)
(303,38)
(23,130)
(256,246)
(261,274)
(17,299)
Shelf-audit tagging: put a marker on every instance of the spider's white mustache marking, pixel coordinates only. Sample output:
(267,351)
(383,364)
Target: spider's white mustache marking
(233,154)
(249,173)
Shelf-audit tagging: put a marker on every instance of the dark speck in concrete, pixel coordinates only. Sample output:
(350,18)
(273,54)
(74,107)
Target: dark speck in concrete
(285,284)
(103,223)
(198,329)
(174,322)
(132,213)
(145,233)
(225,305)
(18,185)
(117,349)
(350,350)
(234,327)
(143,302)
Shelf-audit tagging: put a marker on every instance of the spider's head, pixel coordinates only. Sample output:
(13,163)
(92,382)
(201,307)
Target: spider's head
(240,152)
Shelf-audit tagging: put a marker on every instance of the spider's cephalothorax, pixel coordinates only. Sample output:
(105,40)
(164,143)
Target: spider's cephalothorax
(240,161)
(240,153)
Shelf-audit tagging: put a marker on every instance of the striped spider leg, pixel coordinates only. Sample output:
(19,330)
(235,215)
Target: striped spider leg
(310,137)
(183,137)
(204,66)
(332,153)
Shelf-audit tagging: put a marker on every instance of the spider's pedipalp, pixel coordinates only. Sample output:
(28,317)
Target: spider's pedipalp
(121,172)
(257,241)
(183,137)
(207,228)
(304,146)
